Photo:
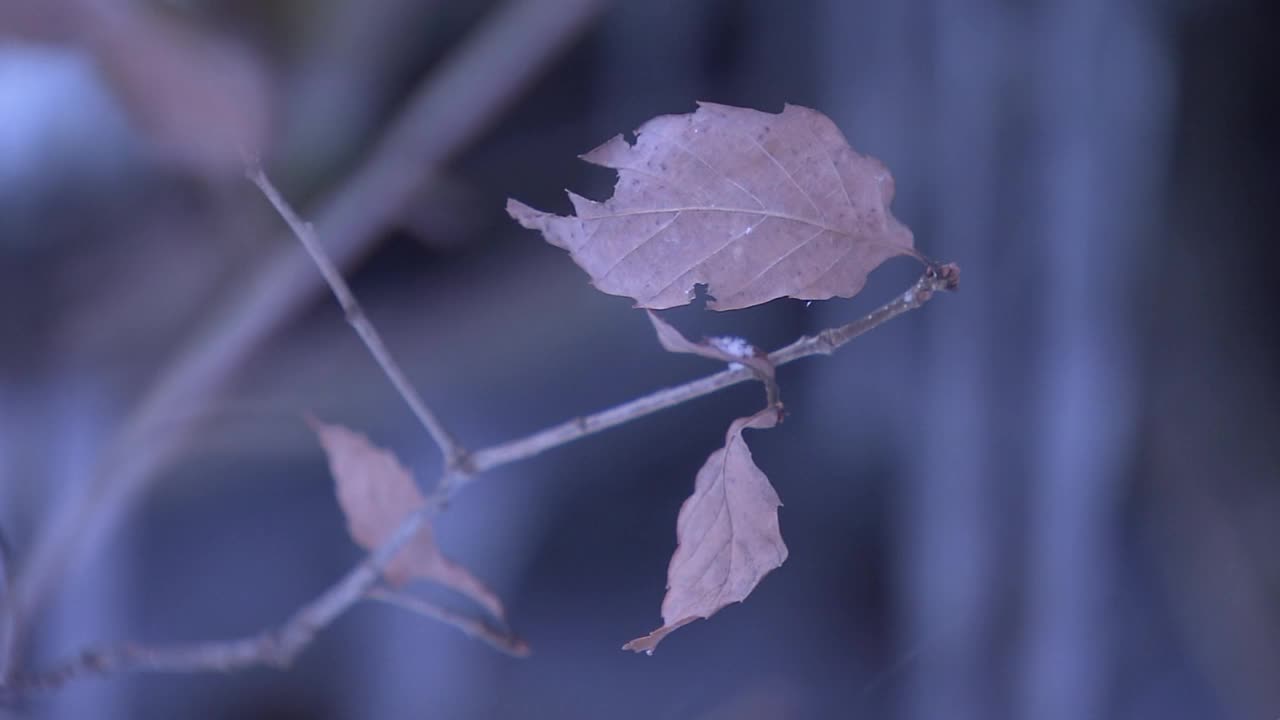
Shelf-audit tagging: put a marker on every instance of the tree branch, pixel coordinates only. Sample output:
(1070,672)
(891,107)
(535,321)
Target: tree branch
(447,110)
(454,453)
(936,277)
(278,647)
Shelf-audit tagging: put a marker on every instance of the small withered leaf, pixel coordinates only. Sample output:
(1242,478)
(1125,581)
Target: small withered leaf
(376,493)
(727,535)
(755,205)
(727,349)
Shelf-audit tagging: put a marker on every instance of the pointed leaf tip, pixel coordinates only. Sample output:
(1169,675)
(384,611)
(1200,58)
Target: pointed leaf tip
(727,535)
(377,493)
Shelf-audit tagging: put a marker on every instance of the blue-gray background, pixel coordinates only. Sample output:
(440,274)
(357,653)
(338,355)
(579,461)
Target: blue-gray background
(1053,494)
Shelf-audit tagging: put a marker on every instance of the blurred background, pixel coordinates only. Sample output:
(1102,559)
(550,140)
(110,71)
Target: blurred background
(1053,494)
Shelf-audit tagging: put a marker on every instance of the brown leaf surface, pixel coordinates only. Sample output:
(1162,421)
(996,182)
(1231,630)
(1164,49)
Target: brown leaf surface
(727,534)
(755,205)
(376,494)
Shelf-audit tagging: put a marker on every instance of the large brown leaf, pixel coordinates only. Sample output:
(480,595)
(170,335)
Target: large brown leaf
(755,205)
(377,493)
(727,534)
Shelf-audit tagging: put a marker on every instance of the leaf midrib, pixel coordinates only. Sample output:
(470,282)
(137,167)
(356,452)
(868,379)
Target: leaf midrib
(745,211)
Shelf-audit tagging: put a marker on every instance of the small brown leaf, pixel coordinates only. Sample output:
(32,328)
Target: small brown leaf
(725,348)
(376,494)
(727,534)
(755,205)
(498,638)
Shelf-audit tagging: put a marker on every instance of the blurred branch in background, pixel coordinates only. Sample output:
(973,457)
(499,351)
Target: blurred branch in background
(1088,380)
(449,109)
(196,95)
(7,609)
(349,68)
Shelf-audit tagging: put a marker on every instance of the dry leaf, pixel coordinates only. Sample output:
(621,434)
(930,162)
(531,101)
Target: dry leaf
(499,639)
(726,348)
(377,493)
(727,534)
(755,205)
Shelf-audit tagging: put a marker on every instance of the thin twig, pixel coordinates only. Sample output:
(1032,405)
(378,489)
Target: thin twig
(454,453)
(275,647)
(446,111)
(473,627)
(935,278)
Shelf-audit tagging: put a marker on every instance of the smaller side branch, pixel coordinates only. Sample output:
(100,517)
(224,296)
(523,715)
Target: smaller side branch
(937,277)
(455,456)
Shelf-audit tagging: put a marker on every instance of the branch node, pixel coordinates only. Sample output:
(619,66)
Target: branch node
(945,275)
(825,342)
(354,315)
